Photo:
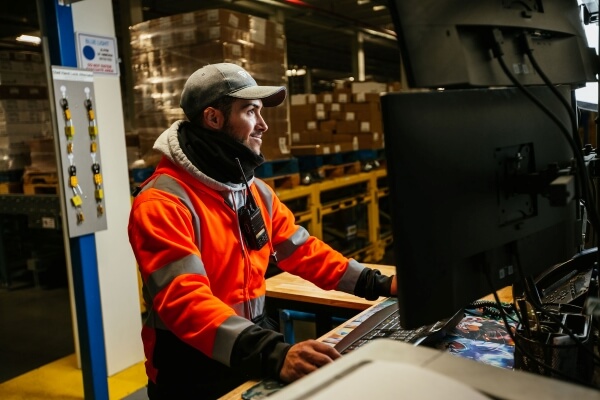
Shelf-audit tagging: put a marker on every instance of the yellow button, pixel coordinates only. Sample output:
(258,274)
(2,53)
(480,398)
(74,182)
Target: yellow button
(69,131)
(76,200)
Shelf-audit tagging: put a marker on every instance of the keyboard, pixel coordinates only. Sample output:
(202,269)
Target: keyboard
(385,323)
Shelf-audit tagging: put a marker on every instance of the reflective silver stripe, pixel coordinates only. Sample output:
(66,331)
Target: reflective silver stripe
(147,185)
(266,195)
(170,185)
(256,307)
(239,308)
(348,281)
(162,277)
(286,248)
(226,336)
(188,265)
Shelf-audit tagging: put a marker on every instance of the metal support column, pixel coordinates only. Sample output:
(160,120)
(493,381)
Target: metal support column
(358,54)
(56,21)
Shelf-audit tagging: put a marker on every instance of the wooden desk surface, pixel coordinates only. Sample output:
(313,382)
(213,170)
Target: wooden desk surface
(505,295)
(236,394)
(290,287)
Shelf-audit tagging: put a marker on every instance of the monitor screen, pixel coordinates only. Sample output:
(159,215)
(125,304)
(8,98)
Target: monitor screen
(469,194)
(456,43)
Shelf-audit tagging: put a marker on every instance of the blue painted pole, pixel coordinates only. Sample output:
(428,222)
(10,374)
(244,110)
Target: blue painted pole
(61,42)
(89,317)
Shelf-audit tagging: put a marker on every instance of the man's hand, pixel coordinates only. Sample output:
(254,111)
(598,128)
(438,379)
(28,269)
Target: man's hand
(305,357)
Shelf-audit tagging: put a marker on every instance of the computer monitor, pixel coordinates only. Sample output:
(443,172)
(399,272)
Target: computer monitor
(449,43)
(462,162)
(469,173)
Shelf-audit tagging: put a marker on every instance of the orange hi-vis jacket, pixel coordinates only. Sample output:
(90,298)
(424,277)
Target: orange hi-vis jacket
(200,280)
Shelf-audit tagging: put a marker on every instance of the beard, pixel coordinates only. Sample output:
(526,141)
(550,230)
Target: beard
(229,131)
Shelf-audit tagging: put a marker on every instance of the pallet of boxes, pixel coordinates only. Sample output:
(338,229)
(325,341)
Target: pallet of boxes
(24,118)
(334,132)
(166,51)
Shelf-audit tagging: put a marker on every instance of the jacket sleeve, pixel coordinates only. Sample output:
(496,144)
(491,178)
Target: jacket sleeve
(259,353)
(371,284)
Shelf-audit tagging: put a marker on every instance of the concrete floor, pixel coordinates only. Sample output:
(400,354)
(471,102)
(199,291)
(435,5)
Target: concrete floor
(62,380)
(35,329)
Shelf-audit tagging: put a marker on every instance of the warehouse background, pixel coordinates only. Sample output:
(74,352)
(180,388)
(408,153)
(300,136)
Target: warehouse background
(323,38)
(322,50)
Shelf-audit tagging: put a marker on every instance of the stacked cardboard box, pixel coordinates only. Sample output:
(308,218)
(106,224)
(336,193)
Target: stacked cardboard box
(43,156)
(24,109)
(346,119)
(166,51)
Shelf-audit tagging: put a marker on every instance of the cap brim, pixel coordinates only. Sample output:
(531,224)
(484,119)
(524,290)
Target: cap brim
(271,96)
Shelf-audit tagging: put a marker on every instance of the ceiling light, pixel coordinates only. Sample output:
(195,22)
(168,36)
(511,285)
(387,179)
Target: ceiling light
(29,39)
(295,72)
(361,2)
(379,8)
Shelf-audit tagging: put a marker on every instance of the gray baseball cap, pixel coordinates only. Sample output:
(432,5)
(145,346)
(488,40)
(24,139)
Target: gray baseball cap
(213,81)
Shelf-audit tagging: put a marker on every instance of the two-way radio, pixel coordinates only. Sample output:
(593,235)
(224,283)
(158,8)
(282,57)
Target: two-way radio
(251,220)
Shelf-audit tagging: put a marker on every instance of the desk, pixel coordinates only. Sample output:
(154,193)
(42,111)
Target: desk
(287,291)
(505,295)
(301,289)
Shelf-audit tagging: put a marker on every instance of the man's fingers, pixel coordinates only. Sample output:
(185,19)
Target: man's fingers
(305,357)
(324,351)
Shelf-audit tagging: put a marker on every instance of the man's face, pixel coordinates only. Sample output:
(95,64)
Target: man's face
(245,124)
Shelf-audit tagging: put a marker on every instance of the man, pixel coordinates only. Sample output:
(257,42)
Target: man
(203,242)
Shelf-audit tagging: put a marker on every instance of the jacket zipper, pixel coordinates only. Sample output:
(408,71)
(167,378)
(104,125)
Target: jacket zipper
(246,258)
